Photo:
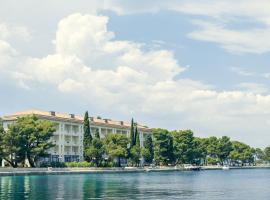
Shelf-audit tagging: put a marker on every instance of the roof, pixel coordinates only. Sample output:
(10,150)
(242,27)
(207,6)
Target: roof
(51,115)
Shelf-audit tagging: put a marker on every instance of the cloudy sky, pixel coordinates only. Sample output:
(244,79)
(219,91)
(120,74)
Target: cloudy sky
(176,64)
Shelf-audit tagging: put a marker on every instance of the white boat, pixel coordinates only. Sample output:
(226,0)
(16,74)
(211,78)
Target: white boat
(225,167)
(189,167)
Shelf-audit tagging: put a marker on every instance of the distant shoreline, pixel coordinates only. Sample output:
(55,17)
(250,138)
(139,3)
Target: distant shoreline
(62,171)
(235,167)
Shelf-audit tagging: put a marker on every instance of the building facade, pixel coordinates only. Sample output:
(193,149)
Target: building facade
(68,137)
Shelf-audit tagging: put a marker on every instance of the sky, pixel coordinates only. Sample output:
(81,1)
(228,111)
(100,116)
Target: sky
(176,64)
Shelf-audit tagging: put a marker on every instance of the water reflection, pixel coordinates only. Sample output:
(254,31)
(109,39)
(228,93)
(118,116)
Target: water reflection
(14,187)
(218,185)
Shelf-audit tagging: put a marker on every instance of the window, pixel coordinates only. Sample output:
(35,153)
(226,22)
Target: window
(67,128)
(70,158)
(75,129)
(55,158)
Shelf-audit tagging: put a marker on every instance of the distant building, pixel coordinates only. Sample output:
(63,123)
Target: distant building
(68,137)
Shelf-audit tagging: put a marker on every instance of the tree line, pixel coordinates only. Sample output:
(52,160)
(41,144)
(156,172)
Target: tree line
(28,139)
(164,147)
(181,147)
(114,148)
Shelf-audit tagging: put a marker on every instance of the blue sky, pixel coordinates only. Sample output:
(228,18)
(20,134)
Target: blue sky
(206,61)
(200,65)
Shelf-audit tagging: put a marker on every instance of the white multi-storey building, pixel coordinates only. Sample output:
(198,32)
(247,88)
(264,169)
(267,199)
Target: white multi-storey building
(68,137)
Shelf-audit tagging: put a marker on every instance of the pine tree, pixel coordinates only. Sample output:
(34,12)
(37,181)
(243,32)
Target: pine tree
(135,151)
(87,137)
(96,150)
(28,137)
(132,139)
(137,137)
(116,147)
(148,149)
(163,153)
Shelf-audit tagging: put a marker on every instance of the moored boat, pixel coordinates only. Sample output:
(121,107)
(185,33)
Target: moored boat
(225,167)
(192,168)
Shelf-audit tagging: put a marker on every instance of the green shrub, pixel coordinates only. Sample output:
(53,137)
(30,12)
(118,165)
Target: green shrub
(78,164)
(57,164)
(45,165)
(52,164)
(92,164)
(212,161)
(84,164)
(106,164)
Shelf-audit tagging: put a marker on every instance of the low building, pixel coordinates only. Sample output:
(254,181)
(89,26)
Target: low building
(68,137)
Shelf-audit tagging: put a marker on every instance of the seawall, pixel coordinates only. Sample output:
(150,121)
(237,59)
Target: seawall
(77,170)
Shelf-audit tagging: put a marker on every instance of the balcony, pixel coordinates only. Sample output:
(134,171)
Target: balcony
(68,143)
(71,153)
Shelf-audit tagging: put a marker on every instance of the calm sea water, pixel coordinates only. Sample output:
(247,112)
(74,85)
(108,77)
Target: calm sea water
(208,185)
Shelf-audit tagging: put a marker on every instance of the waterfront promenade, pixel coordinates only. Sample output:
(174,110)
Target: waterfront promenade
(83,170)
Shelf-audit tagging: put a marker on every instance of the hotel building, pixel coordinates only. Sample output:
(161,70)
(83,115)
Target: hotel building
(68,137)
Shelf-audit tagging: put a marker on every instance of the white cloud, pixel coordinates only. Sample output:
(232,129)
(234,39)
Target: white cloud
(7,55)
(70,85)
(5,52)
(125,7)
(265,75)
(53,69)
(120,75)
(87,37)
(241,71)
(220,18)
(234,41)
(82,35)
(223,14)
(217,27)
(229,9)
(87,57)
(8,31)
(254,88)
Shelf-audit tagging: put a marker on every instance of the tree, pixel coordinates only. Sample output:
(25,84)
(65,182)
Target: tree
(163,153)
(259,154)
(267,153)
(135,154)
(241,153)
(184,147)
(11,151)
(38,142)
(87,137)
(171,158)
(148,149)
(135,151)
(137,136)
(212,147)
(2,132)
(96,151)
(201,150)
(28,137)
(116,146)
(132,134)
(224,148)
